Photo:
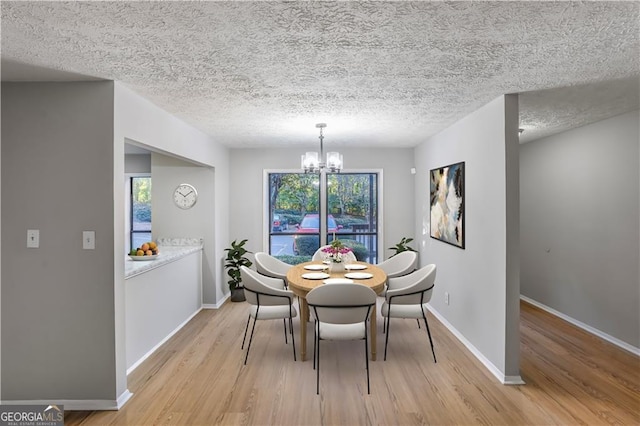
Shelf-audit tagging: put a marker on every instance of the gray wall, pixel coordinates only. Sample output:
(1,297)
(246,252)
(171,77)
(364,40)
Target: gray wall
(63,308)
(483,279)
(137,163)
(580,225)
(57,300)
(197,222)
(247,204)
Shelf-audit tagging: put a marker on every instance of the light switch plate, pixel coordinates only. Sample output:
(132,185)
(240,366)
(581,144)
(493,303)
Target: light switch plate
(89,240)
(33,238)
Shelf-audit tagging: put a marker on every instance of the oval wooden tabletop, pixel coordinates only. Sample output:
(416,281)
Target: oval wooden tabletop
(301,286)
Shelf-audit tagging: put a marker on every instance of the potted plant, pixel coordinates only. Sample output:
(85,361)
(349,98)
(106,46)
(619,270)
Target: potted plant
(235,259)
(335,253)
(402,246)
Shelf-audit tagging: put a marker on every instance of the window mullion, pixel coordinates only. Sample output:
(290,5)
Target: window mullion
(324,200)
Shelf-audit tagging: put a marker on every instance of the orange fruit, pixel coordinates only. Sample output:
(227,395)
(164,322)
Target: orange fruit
(148,252)
(144,247)
(139,253)
(152,245)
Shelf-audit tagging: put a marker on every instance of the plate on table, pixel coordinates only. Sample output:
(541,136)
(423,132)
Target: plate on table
(316,267)
(338,281)
(143,258)
(358,275)
(315,275)
(355,266)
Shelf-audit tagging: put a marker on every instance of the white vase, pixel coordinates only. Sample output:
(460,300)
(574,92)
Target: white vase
(336,267)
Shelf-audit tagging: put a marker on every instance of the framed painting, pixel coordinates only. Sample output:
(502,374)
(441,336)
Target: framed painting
(447,204)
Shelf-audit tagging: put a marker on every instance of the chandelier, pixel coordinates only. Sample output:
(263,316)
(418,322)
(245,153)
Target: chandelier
(312,162)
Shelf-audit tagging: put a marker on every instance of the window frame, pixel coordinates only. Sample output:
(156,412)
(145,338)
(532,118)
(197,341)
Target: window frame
(129,208)
(322,211)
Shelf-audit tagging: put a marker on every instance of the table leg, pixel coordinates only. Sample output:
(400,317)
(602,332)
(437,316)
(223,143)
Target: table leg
(374,340)
(304,315)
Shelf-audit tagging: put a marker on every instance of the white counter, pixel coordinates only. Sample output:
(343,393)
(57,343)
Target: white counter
(161,296)
(166,254)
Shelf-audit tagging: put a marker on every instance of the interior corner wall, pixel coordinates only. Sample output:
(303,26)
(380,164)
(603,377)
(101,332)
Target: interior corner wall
(477,278)
(580,225)
(58,337)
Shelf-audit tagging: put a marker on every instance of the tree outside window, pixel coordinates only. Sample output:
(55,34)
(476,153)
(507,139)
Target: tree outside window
(294,206)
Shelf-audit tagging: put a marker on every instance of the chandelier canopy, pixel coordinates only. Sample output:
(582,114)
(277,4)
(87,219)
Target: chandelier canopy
(312,162)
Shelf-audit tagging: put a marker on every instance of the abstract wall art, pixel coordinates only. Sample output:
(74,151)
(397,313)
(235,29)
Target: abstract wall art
(447,204)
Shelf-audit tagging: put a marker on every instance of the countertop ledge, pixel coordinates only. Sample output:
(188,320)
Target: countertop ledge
(167,254)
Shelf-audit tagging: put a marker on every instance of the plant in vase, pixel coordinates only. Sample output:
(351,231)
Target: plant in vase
(336,254)
(402,246)
(234,260)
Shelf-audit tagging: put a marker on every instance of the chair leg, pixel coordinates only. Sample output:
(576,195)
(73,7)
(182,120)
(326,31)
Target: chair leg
(284,322)
(314,346)
(430,340)
(366,358)
(318,365)
(293,341)
(250,340)
(386,339)
(418,321)
(245,332)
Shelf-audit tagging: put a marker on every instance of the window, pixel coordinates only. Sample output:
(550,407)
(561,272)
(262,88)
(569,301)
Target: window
(140,218)
(353,198)
(307,210)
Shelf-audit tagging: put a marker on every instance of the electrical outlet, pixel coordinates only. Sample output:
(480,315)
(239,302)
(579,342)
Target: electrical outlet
(446,297)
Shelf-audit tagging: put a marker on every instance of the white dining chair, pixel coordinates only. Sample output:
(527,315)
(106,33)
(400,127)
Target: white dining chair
(271,266)
(407,297)
(401,264)
(340,312)
(268,301)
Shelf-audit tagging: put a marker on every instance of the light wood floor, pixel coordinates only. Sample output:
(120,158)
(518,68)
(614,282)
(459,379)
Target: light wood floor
(198,378)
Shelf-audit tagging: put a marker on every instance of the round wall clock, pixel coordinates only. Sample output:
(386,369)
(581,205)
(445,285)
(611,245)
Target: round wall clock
(185,196)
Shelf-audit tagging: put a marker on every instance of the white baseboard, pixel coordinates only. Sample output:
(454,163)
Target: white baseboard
(505,380)
(78,404)
(122,399)
(216,305)
(152,350)
(585,327)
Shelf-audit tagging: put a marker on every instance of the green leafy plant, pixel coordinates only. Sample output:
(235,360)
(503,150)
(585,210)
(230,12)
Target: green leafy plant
(235,259)
(359,250)
(402,246)
(306,245)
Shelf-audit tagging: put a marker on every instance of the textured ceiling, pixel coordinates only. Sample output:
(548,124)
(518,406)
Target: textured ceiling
(379,73)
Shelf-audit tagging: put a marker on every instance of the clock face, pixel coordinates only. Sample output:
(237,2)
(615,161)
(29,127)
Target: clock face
(185,196)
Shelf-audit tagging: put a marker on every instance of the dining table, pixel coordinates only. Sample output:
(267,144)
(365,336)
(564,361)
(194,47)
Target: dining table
(304,277)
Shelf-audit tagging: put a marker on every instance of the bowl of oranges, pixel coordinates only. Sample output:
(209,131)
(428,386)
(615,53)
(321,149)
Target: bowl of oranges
(147,251)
